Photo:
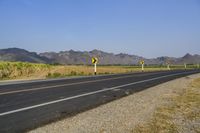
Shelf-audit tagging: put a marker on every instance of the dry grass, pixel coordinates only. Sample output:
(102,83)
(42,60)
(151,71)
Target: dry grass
(180,114)
(23,70)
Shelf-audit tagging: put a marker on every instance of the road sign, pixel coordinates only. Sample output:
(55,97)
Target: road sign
(142,62)
(94,60)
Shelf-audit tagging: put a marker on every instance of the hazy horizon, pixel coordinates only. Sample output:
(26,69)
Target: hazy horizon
(144,28)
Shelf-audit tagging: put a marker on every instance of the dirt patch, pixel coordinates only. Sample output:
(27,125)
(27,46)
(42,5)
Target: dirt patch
(133,113)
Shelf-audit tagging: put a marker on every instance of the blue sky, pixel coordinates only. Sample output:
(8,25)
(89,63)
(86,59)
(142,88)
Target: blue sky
(148,28)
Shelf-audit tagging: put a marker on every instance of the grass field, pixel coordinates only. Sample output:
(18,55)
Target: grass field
(23,70)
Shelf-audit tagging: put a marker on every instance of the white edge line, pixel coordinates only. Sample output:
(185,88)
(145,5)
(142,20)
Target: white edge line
(85,94)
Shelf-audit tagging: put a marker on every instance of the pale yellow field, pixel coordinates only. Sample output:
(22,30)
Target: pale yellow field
(22,70)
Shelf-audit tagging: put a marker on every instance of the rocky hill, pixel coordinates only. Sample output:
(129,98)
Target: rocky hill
(78,57)
(16,54)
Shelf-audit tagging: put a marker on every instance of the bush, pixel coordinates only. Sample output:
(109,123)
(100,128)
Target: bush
(73,73)
(82,73)
(54,75)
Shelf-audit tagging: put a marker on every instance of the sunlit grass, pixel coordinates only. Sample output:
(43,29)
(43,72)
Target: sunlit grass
(24,70)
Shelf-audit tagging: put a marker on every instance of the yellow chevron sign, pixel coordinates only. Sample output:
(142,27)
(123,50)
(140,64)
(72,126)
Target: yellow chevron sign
(94,60)
(142,62)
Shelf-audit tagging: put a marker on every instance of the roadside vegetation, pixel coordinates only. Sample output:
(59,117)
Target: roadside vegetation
(180,114)
(24,70)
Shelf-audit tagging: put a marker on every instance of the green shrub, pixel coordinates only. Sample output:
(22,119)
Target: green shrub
(54,75)
(73,73)
(82,73)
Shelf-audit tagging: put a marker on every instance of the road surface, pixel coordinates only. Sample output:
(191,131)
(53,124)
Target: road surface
(27,105)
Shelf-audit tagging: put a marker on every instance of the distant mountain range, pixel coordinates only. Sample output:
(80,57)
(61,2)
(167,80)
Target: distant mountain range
(84,57)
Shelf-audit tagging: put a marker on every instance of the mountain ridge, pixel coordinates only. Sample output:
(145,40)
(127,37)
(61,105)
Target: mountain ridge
(84,57)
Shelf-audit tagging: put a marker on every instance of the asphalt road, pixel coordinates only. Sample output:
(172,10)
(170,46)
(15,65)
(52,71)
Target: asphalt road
(26,105)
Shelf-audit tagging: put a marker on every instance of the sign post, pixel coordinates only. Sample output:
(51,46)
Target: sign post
(95,61)
(142,63)
(95,69)
(185,65)
(168,65)
(142,67)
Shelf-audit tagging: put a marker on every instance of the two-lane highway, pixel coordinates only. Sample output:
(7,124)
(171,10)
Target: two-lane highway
(27,105)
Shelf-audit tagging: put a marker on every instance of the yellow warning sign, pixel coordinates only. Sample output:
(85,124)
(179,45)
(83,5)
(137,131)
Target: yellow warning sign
(94,60)
(142,62)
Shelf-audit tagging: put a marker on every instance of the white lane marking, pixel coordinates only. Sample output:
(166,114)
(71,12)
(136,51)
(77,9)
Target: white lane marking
(62,85)
(85,94)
